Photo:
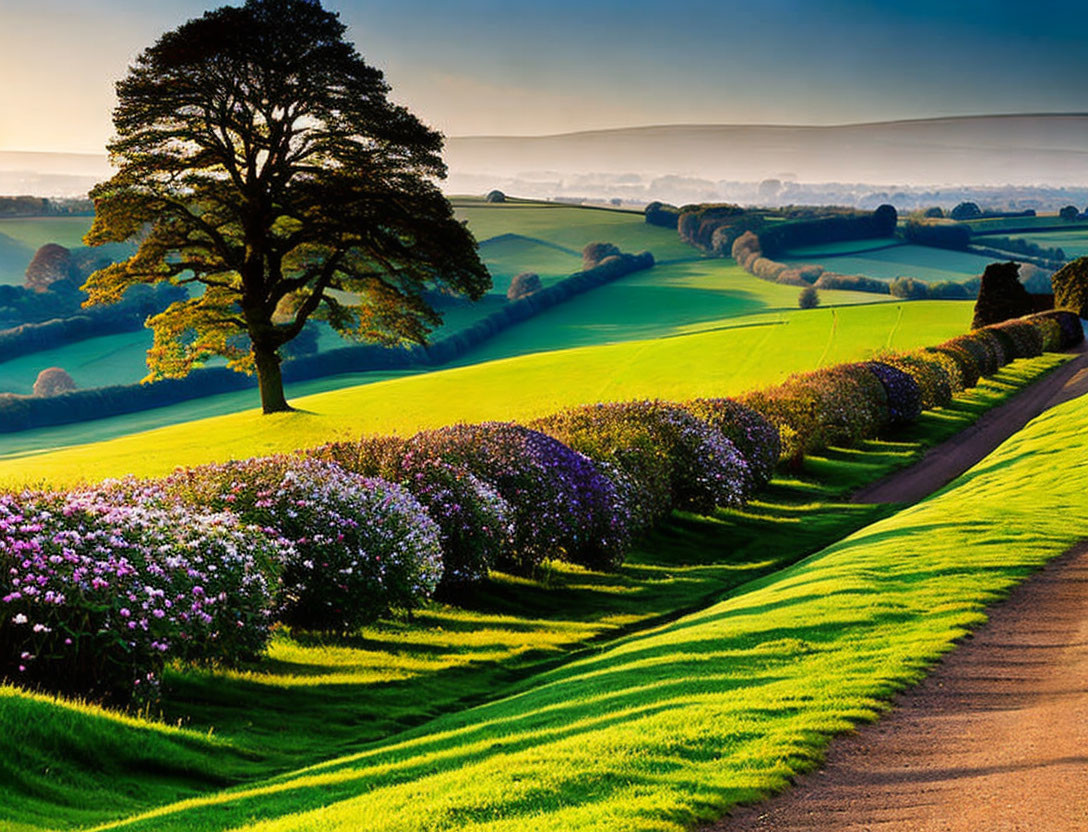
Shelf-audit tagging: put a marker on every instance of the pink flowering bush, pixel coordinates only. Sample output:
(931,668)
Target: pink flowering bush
(98,589)
(360,546)
(474,519)
(562,505)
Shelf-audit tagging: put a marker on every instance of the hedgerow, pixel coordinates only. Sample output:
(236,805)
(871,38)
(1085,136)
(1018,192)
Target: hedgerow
(751,432)
(676,459)
(901,390)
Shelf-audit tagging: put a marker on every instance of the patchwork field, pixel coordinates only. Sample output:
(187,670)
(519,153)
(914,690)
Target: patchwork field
(1073,242)
(931,265)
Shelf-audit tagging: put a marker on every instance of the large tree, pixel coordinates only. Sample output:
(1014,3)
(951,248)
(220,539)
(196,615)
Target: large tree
(258,156)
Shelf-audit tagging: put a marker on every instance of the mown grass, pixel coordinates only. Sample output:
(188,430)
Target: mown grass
(931,265)
(760,351)
(670,727)
(312,699)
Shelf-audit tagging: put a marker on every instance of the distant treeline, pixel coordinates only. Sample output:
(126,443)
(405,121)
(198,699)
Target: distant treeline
(26,412)
(36,206)
(139,303)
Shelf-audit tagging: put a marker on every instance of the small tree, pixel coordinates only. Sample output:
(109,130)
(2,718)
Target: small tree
(52,382)
(594,253)
(495,196)
(966,211)
(523,284)
(934,213)
(259,156)
(1070,285)
(1069,213)
(52,263)
(809,298)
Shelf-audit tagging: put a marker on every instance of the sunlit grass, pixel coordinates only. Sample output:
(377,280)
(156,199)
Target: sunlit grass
(670,727)
(712,363)
(313,698)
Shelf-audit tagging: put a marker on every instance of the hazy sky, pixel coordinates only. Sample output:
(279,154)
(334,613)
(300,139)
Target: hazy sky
(474,67)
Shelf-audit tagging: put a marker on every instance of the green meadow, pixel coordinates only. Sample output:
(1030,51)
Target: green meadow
(469,700)
(722,360)
(1073,242)
(932,265)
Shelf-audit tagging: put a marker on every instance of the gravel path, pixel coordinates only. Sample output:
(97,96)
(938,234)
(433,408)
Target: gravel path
(994,740)
(948,460)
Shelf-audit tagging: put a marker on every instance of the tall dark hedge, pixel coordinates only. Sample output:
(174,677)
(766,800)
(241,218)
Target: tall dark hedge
(1002,296)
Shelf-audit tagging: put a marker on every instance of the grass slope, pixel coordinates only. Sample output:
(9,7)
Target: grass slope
(671,727)
(310,700)
(718,362)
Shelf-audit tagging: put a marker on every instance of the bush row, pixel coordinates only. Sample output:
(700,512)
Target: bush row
(99,588)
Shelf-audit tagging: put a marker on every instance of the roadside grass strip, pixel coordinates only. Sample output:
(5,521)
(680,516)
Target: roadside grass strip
(669,728)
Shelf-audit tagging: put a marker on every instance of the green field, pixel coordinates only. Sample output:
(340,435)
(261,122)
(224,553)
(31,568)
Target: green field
(815,253)
(1002,224)
(721,361)
(1073,242)
(931,265)
(572,227)
(310,699)
(656,731)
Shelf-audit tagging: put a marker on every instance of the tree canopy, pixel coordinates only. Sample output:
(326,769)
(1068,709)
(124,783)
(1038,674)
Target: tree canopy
(259,157)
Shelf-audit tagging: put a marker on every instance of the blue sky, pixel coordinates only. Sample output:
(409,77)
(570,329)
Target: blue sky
(514,67)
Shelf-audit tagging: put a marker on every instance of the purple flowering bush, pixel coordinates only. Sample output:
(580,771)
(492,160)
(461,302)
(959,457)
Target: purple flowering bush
(902,391)
(99,591)
(360,546)
(751,432)
(930,375)
(561,504)
(676,459)
(1070,331)
(474,518)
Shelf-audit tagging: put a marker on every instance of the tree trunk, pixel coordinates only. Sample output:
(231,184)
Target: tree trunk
(270,380)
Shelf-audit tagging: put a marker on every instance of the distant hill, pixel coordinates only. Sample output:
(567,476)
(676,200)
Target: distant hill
(970,150)
(50,174)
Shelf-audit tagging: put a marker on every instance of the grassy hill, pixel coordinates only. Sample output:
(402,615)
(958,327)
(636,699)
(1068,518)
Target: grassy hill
(658,730)
(721,361)
(312,698)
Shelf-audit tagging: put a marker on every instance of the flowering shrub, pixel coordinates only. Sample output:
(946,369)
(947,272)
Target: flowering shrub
(985,359)
(952,369)
(1020,338)
(1070,330)
(960,360)
(360,546)
(902,391)
(929,374)
(561,504)
(98,594)
(676,459)
(751,432)
(994,345)
(475,520)
(835,406)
